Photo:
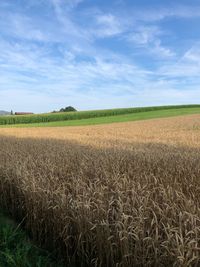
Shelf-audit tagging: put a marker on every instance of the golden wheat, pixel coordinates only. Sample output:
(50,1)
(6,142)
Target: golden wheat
(182,130)
(115,195)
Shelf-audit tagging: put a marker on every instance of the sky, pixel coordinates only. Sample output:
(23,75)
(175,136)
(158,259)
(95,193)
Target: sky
(96,54)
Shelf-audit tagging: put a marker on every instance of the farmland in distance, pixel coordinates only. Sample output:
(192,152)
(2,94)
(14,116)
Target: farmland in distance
(93,117)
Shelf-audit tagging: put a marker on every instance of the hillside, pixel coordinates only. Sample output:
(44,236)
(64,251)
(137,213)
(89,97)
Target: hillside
(3,112)
(97,116)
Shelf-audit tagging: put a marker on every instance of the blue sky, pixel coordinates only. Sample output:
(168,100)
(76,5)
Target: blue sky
(95,54)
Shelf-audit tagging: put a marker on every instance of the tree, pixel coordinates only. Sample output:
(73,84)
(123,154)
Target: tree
(11,113)
(68,109)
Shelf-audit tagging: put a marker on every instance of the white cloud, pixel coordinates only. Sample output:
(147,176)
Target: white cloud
(161,51)
(148,37)
(157,14)
(108,25)
(144,35)
(62,11)
(55,62)
(187,67)
(193,54)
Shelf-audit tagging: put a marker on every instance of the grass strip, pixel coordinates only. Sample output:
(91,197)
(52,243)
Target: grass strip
(93,114)
(114,119)
(17,250)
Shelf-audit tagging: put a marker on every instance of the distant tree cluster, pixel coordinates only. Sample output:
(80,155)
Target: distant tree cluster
(66,109)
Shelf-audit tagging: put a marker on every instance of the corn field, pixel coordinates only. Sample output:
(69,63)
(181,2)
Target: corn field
(123,202)
(65,116)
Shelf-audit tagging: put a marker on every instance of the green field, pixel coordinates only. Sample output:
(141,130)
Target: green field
(143,115)
(99,116)
(16,250)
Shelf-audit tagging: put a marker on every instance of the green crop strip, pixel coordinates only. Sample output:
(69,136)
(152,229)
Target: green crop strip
(81,115)
(114,119)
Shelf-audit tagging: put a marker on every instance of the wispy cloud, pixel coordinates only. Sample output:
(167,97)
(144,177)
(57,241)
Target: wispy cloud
(187,67)
(61,52)
(108,25)
(143,35)
(148,37)
(160,50)
(152,14)
(193,54)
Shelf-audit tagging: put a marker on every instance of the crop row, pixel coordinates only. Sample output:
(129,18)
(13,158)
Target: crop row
(50,117)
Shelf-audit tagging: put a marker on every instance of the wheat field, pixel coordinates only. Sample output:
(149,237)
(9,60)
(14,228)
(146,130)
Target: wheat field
(182,130)
(124,194)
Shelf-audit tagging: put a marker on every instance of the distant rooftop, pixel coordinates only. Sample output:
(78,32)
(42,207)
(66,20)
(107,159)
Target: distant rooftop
(23,113)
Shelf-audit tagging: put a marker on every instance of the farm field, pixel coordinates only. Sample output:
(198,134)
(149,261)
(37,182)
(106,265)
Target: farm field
(122,194)
(97,116)
(182,130)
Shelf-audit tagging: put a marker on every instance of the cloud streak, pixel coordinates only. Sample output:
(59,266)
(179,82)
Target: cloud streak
(68,53)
